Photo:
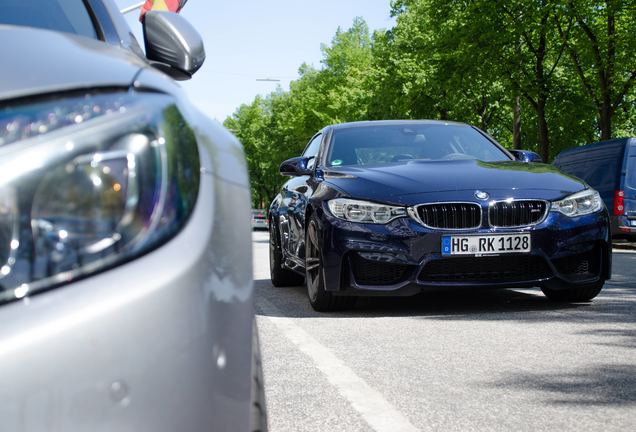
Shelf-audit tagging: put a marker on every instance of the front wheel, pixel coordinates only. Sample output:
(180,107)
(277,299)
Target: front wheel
(280,276)
(319,298)
(573,293)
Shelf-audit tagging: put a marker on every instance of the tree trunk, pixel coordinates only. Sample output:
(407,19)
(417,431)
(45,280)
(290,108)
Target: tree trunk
(607,110)
(604,67)
(605,106)
(543,91)
(605,117)
(516,124)
(544,141)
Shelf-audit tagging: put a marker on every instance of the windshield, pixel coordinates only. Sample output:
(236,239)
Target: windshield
(384,144)
(68,16)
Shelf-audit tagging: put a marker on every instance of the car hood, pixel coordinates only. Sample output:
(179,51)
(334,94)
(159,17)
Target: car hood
(38,61)
(422,181)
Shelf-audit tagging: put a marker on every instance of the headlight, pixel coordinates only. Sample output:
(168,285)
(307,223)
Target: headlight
(579,204)
(89,182)
(363,211)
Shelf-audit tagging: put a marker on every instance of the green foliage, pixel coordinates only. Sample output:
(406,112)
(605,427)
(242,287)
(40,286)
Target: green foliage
(570,63)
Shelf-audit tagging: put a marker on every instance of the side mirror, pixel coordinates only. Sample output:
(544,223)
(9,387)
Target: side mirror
(295,167)
(526,156)
(172,44)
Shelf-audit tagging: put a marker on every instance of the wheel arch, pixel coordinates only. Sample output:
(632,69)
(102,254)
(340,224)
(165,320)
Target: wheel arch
(274,231)
(308,212)
(314,206)
(333,261)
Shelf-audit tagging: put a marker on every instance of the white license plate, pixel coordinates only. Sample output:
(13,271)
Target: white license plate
(486,244)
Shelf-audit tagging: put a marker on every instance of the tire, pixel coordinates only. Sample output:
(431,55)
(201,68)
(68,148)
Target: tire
(281,277)
(258,408)
(573,293)
(319,298)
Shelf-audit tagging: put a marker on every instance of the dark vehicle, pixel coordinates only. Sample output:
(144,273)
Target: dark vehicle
(610,168)
(398,207)
(125,251)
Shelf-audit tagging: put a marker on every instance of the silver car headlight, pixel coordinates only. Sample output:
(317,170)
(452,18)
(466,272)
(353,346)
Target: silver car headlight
(581,203)
(89,182)
(364,211)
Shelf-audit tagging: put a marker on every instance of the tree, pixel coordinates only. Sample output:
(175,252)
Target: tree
(601,46)
(566,70)
(513,43)
(247,124)
(344,79)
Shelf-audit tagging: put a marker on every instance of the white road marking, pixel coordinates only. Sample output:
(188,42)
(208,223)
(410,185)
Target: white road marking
(374,409)
(625,251)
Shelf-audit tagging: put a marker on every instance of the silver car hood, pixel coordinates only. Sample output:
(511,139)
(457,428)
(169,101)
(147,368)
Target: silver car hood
(38,61)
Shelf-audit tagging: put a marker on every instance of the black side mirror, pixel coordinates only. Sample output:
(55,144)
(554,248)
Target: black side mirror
(295,167)
(526,156)
(172,44)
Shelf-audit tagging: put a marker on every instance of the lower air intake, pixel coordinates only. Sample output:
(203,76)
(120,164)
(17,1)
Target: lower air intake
(512,268)
(368,272)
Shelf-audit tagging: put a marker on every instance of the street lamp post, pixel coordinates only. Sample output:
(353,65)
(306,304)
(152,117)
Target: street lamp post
(131,8)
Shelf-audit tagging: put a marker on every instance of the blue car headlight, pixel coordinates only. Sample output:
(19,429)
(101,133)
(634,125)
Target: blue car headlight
(364,211)
(580,204)
(89,182)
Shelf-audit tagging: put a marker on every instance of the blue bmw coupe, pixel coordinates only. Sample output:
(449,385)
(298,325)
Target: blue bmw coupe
(399,207)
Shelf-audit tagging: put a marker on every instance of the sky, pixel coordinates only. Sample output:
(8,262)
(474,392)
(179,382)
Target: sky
(250,39)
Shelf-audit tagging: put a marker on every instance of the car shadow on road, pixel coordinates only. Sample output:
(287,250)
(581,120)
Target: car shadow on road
(455,304)
(616,304)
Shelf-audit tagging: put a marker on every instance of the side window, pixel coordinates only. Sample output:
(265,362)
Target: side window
(631,172)
(69,16)
(574,168)
(601,174)
(312,150)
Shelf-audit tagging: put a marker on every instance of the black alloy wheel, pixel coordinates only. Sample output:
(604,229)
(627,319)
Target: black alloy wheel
(319,298)
(280,276)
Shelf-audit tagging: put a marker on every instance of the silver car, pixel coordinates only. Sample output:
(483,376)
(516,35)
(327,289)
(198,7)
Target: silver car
(259,219)
(125,241)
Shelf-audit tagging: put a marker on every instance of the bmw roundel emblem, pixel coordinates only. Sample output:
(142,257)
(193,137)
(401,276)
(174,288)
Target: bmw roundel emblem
(481,195)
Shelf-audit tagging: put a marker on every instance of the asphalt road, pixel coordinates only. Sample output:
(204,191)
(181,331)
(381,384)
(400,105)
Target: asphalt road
(488,361)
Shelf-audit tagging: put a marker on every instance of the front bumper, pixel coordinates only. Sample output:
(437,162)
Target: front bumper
(404,257)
